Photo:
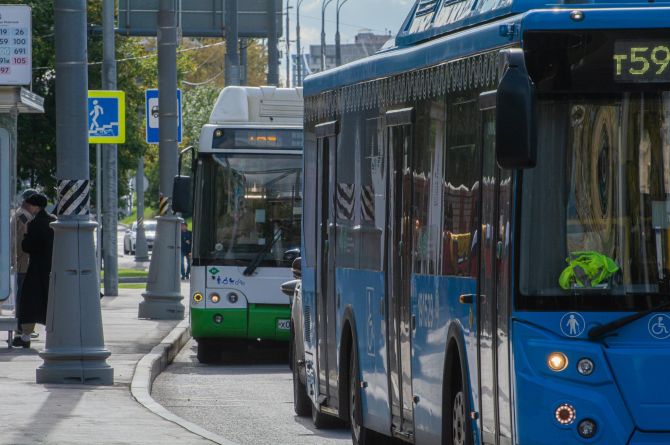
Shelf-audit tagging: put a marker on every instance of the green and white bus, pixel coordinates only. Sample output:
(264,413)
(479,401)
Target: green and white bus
(246,218)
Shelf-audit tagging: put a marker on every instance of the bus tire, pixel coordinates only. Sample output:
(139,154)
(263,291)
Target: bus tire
(208,352)
(302,405)
(321,420)
(359,434)
(458,428)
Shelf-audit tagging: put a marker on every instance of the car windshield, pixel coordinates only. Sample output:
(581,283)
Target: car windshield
(242,203)
(595,217)
(150,225)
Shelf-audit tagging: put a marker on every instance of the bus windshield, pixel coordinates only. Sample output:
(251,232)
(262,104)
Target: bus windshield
(595,216)
(244,203)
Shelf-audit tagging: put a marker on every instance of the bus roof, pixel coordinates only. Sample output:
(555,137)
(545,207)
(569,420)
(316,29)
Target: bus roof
(262,105)
(431,18)
(498,26)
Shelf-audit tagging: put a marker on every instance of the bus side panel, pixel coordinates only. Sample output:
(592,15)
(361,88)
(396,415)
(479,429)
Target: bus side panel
(435,306)
(308,328)
(363,292)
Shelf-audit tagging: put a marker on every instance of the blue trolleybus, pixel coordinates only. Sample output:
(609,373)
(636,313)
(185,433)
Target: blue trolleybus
(486,229)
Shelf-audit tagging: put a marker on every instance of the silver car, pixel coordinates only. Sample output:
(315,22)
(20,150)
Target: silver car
(131,236)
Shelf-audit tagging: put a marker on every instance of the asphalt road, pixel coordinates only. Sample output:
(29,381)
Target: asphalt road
(248,402)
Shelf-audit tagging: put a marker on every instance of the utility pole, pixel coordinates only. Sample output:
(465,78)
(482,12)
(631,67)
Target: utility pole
(110,191)
(141,251)
(288,47)
(75,351)
(244,80)
(232,59)
(338,49)
(324,5)
(297,44)
(162,299)
(273,56)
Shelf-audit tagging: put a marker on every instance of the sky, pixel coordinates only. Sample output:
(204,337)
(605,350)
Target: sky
(378,16)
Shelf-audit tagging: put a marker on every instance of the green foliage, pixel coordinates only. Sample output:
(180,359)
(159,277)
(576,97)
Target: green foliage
(200,75)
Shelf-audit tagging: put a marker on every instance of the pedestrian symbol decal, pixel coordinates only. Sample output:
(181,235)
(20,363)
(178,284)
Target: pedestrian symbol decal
(573,324)
(659,326)
(95,114)
(106,117)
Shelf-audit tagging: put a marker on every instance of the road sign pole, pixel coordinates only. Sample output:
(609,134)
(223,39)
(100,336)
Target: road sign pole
(110,194)
(98,209)
(273,52)
(74,350)
(232,62)
(141,251)
(244,79)
(162,299)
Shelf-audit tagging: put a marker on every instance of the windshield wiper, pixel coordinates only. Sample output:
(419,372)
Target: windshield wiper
(599,331)
(257,261)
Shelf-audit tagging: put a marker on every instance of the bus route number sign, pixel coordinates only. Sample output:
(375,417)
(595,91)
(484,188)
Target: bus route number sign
(15,45)
(641,61)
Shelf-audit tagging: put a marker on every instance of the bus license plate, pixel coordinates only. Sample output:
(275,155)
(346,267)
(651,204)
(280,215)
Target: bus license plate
(283,325)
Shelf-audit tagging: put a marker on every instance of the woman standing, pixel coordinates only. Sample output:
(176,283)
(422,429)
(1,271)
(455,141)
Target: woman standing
(38,243)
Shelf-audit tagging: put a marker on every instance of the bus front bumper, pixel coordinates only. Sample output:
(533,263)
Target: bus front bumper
(257,321)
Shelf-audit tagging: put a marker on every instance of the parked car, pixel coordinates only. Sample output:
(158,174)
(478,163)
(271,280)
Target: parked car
(131,236)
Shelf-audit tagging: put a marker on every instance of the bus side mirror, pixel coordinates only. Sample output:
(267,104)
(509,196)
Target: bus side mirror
(181,195)
(181,187)
(296,268)
(288,288)
(516,129)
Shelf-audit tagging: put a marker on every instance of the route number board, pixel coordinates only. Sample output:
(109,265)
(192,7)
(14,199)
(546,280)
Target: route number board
(15,45)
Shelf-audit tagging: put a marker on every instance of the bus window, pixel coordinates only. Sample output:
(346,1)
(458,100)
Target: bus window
(461,195)
(373,197)
(428,173)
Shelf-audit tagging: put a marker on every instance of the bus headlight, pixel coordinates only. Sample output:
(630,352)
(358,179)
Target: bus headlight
(565,414)
(557,361)
(233,297)
(197,297)
(215,298)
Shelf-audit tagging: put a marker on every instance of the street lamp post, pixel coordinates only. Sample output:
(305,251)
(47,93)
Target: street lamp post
(297,44)
(338,50)
(324,5)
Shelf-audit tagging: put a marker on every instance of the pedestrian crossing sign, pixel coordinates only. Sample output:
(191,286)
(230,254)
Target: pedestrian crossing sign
(106,117)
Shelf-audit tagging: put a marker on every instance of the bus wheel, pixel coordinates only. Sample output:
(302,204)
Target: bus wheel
(458,428)
(301,402)
(322,421)
(359,434)
(208,352)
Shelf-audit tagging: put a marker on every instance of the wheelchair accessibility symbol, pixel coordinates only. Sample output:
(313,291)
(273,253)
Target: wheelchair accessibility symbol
(659,326)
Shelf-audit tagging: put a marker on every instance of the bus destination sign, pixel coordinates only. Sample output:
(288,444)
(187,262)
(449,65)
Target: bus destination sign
(641,61)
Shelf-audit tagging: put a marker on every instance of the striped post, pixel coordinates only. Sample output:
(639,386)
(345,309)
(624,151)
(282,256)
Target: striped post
(75,350)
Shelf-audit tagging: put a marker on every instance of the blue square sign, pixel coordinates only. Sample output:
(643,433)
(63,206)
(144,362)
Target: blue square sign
(151,108)
(106,117)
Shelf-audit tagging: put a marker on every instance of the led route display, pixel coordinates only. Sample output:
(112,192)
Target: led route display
(641,61)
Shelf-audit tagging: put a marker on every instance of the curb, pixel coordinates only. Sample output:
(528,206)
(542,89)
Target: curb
(151,365)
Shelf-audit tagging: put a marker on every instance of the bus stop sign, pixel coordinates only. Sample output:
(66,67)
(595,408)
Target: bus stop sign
(151,108)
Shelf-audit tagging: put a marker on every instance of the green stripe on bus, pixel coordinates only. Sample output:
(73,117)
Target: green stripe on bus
(267,322)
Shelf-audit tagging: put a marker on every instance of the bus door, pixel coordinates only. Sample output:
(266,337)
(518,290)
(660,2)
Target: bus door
(398,268)
(493,297)
(325,265)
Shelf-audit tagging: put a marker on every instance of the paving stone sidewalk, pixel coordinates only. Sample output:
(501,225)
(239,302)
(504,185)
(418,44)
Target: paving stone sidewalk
(81,414)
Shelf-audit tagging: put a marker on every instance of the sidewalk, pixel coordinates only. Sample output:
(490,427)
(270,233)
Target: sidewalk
(79,414)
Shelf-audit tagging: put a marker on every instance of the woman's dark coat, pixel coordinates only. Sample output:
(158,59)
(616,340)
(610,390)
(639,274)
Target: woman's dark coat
(38,243)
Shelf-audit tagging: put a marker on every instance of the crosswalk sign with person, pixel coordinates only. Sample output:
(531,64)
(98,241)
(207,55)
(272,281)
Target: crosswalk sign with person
(106,117)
